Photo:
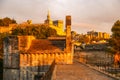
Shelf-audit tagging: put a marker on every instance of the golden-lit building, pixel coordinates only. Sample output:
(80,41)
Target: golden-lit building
(57,25)
(106,35)
(98,35)
(6,29)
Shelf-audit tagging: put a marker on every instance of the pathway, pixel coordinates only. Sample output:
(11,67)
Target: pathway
(78,71)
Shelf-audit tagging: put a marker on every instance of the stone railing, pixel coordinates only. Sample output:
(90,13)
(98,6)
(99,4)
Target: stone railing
(51,73)
(103,64)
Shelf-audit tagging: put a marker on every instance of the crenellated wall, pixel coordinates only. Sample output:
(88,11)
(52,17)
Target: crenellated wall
(32,64)
(44,58)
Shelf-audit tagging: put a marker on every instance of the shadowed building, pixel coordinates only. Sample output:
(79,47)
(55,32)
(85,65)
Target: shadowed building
(26,57)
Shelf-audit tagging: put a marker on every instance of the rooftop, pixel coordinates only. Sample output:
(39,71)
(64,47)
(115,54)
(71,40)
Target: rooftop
(43,45)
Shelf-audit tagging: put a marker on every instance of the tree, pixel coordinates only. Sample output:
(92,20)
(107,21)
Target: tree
(2,36)
(73,34)
(39,31)
(115,40)
(1,22)
(6,21)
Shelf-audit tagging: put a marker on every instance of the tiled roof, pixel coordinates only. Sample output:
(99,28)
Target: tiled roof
(42,45)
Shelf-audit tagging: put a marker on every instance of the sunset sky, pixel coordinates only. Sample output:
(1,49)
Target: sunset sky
(98,15)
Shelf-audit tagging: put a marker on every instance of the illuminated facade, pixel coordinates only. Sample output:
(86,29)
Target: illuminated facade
(57,25)
(98,35)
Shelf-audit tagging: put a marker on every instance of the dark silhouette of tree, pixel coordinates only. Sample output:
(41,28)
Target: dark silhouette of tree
(115,40)
(2,36)
(6,21)
(1,22)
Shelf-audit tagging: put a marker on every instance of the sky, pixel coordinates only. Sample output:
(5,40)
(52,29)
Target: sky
(87,15)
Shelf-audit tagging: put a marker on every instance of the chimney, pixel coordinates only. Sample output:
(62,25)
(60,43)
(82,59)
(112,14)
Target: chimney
(68,34)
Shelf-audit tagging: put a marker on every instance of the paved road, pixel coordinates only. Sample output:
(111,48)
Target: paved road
(78,71)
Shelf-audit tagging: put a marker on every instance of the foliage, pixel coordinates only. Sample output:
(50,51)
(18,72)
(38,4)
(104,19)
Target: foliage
(115,40)
(84,39)
(39,31)
(2,35)
(6,21)
(73,34)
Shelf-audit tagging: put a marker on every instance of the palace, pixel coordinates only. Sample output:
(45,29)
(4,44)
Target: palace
(57,25)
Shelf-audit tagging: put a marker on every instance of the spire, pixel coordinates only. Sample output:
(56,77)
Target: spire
(48,15)
(48,20)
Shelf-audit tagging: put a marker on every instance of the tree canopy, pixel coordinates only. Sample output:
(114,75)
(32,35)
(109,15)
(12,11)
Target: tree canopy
(115,40)
(2,36)
(6,21)
(39,31)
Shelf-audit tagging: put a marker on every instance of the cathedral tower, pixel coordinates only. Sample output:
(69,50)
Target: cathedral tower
(48,16)
(48,20)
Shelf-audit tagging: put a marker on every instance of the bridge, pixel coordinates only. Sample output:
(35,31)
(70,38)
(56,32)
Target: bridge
(95,65)
(89,65)
(79,71)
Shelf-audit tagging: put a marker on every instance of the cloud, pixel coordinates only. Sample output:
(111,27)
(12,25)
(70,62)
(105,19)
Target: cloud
(83,25)
(98,11)
(86,14)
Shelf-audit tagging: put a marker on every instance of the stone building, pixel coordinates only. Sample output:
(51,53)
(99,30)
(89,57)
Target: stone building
(99,35)
(6,29)
(57,25)
(26,57)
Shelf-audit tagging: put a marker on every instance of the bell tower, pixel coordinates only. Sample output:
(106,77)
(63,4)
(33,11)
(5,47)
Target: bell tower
(48,15)
(48,20)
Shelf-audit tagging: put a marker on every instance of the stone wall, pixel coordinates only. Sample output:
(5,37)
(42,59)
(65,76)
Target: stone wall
(44,58)
(11,74)
(11,55)
(11,58)
(37,63)
(25,42)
